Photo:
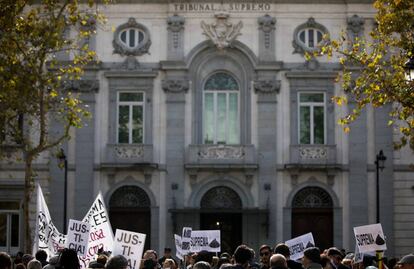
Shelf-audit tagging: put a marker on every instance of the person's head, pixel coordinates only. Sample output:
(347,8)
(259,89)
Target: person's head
(282,249)
(167,252)
(335,255)
(26,259)
(168,264)
(102,259)
(325,262)
(41,255)
(150,259)
(117,262)
(5,261)
(265,252)
(406,262)
(311,255)
(202,265)
(204,256)
(242,255)
(34,264)
(278,261)
(68,259)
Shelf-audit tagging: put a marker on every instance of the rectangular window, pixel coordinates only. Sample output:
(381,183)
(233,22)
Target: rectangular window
(9,226)
(130,118)
(221,117)
(311,118)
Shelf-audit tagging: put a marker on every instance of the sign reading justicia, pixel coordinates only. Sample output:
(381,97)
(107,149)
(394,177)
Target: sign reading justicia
(230,7)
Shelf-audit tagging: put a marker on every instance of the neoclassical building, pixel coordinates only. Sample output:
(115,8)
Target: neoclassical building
(206,114)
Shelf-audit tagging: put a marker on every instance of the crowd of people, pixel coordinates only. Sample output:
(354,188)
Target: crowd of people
(242,258)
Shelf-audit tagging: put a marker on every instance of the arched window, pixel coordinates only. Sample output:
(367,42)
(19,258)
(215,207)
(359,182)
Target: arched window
(221,197)
(221,110)
(129,196)
(312,197)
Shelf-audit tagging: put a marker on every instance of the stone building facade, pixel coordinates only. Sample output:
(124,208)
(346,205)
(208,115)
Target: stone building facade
(206,114)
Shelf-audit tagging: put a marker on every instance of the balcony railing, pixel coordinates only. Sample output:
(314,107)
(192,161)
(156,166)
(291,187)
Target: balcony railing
(319,155)
(129,153)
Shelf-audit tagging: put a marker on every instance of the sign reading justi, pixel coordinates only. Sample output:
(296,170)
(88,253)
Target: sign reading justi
(230,7)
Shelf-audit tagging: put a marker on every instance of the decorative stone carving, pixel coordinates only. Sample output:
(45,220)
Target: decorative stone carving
(267,186)
(248,180)
(129,152)
(313,153)
(221,197)
(140,49)
(267,25)
(221,152)
(266,86)
(294,180)
(222,32)
(175,85)
(175,25)
(82,85)
(355,25)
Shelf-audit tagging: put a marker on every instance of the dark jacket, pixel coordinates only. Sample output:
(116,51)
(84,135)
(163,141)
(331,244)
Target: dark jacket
(294,265)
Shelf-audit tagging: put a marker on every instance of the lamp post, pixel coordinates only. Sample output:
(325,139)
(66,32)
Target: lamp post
(379,163)
(63,162)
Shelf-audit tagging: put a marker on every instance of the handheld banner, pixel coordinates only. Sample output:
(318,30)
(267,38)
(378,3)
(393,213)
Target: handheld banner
(47,237)
(178,251)
(208,240)
(359,257)
(130,245)
(186,240)
(100,235)
(370,238)
(298,244)
(78,236)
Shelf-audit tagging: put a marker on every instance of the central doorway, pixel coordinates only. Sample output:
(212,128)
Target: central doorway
(129,209)
(312,211)
(221,210)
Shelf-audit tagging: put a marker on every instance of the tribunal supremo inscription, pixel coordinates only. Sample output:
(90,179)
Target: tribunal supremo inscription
(231,7)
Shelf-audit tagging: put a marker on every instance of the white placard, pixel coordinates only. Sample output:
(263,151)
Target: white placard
(47,236)
(101,236)
(298,244)
(178,251)
(208,240)
(186,240)
(359,257)
(130,245)
(78,236)
(370,238)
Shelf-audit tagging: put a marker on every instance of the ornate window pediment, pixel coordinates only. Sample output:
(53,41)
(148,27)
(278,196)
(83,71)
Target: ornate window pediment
(308,37)
(131,38)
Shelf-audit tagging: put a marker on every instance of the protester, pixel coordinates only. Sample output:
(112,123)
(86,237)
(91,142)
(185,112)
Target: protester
(242,256)
(150,260)
(34,264)
(336,256)
(167,255)
(102,259)
(20,266)
(284,250)
(406,262)
(18,258)
(68,259)
(41,256)
(117,262)
(202,265)
(326,262)
(26,259)
(5,261)
(311,258)
(264,253)
(53,261)
(169,264)
(278,261)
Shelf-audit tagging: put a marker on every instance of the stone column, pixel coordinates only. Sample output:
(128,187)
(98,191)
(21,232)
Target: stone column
(267,38)
(175,38)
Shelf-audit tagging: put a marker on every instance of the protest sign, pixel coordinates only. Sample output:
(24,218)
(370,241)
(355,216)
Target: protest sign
(298,244)
(178,251)
(78,236)
(359,257)
(130,245)
(47,237)
(370,238)
(186,240)
(100,235)
(208,240)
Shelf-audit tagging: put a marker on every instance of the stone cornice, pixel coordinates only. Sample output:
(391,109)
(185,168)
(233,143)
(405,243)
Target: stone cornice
(247,1)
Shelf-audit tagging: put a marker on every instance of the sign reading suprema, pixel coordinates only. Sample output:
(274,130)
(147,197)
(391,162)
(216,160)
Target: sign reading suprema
(230,7)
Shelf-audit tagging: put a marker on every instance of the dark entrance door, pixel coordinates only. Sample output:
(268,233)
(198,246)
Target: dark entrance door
(312,211)
(230,226)
(221,207)
(129,209)
(316,221)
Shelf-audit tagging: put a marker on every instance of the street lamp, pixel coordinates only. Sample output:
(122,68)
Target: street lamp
(409,69)
(63,162)
(379,163)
